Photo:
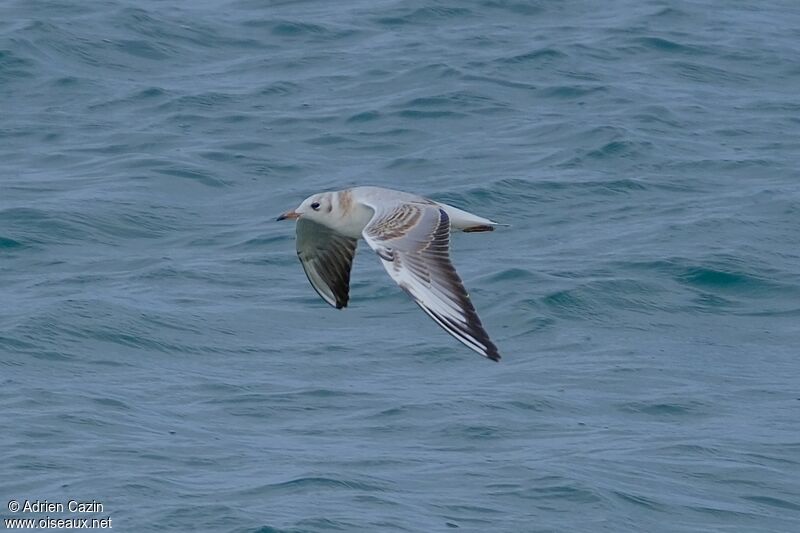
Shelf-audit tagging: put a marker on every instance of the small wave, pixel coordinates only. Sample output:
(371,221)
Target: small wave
(365,116)
(640,501)
(665,45)
(663,409)
(709,277)
(13,66)
(424,15)
(292,28)
(200,176)
(304,484)
(419,114)
(536,57)
(571,91)
(7,243)
(773,502)
(517,8)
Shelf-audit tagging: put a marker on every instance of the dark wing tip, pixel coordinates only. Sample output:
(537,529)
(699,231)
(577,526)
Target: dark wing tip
(477,229)
(490,351)
(342,291)
(492,354)
(467,336)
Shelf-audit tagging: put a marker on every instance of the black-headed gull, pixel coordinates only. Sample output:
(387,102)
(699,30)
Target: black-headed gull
(410,234)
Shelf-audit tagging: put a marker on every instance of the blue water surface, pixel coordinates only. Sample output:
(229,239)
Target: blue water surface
(161,351)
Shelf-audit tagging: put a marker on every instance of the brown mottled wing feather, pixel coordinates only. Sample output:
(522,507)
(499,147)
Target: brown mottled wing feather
(326,257)
(413,242)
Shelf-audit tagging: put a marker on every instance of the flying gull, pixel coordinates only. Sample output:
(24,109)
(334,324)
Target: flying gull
(411,236)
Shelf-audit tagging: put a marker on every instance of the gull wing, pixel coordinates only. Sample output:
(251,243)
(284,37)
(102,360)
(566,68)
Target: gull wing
(327,257)
(413,243)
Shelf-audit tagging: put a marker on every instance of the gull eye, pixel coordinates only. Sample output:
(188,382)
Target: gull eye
(315,206)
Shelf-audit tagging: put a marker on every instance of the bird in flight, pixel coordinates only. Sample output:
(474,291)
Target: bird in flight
(410,234)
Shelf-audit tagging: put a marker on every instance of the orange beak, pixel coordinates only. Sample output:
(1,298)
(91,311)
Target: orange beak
(291,215)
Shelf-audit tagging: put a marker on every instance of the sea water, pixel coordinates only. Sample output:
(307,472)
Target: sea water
(162,354)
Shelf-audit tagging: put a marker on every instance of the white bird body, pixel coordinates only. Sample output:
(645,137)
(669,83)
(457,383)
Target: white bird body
(353,212)
(410,234)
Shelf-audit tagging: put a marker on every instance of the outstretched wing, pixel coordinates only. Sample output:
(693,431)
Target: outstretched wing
(413,242)
(326,257)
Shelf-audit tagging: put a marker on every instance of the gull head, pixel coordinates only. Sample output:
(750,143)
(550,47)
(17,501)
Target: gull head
(317,207)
